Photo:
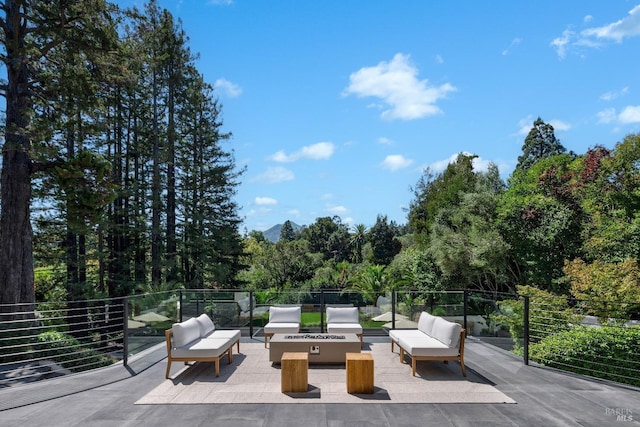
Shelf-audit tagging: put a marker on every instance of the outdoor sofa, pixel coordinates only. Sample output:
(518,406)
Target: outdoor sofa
(434,339)
(197,340)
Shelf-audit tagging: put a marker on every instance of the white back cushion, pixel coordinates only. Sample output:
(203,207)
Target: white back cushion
(284,314)
(446,332)
(342,315)
(425,323)
(206,325)
(185,332)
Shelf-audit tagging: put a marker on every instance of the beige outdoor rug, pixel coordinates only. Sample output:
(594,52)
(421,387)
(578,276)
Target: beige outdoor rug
(251,378)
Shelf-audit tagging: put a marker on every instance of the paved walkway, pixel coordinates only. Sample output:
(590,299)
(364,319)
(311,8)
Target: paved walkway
(105,397)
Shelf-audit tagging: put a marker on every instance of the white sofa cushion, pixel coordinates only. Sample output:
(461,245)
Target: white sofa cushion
(342,315)
(231,335)
(425,323)
(185,332)
(202,348)
(344,328)
(206,325)
(425,346)
(281,328)
(284,315)
(397,334)
(446,332)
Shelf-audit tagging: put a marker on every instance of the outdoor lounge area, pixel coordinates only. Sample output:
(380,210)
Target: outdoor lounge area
(247,394)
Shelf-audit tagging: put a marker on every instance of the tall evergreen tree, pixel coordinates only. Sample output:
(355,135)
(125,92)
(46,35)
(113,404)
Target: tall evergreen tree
(540,143)
(31,33)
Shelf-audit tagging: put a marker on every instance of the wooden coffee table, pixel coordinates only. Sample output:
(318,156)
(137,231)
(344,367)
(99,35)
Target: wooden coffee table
(322,348)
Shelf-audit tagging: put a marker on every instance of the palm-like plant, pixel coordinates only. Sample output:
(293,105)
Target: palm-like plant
(358,239)
(371,283)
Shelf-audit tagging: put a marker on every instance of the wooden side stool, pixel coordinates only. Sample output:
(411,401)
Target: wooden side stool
(294,375)
(359,373)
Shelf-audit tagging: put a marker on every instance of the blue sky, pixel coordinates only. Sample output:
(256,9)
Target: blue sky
(336,107)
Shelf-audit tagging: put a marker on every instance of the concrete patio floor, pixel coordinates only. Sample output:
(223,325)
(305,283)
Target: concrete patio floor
(106,397)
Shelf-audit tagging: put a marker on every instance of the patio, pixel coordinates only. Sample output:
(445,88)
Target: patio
(108,396)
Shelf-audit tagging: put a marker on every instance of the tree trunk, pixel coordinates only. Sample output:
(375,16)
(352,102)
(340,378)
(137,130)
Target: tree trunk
(16,234)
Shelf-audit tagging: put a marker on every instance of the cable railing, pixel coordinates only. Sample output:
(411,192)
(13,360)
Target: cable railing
(50,339)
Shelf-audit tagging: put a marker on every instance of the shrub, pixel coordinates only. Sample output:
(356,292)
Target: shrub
(69,352)
(609,352)
(548,314)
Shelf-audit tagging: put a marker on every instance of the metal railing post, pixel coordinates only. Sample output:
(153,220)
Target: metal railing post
(464,309)
(322,311)
(526,330)
(125,335)
(180,302)
(393,309)
(251,308)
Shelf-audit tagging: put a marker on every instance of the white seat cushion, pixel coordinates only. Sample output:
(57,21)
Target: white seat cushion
(426,346)
(344,328)
(397,334)
(202,348)
(231,335)
(281,328)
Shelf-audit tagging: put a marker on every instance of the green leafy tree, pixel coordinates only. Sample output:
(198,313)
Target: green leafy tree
(384,244)
(466,243)
(541,220)
(328,236)
(434,192)
(607,290)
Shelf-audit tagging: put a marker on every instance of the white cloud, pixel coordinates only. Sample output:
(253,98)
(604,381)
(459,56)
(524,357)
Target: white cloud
(611,95)
(261,201)
(274,175)
(396,84)
(326,196)
(560,43)
(439,59)
(559,125)
(594,37)
(228,88)
(319,151)
(607,116)
(220,2)
(337,210)
(385,141)
(515,42)
(628,26)
(394,162)
(526,124)
(479,164)
(630,114)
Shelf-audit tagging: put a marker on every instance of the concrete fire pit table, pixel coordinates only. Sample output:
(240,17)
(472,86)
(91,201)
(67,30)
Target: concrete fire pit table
(322,348)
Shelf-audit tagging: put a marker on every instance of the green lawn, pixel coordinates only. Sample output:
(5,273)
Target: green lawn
(313,320)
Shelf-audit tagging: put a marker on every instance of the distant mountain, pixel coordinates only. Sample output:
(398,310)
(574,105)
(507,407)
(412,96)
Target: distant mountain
(273,234)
